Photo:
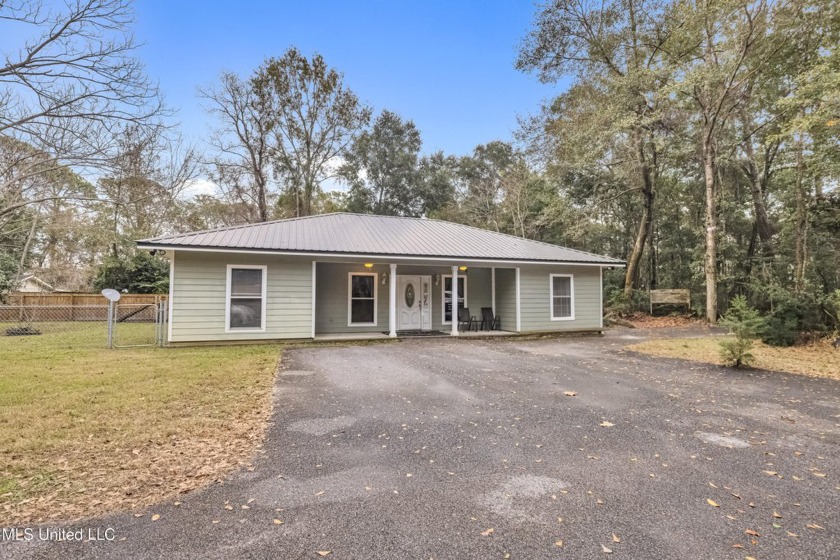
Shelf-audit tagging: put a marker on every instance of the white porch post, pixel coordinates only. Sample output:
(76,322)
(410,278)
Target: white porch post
(493,289)
(518,304)
(454,301)
(314,275)
(392,302)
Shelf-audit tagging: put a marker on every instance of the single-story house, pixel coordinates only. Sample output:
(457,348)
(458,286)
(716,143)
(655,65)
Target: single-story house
(345,274)
(31,284)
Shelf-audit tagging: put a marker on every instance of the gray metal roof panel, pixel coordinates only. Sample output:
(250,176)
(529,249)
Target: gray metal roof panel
(364,234)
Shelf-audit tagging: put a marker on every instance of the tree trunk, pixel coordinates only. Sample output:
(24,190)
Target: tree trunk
(262,203)
(710,261)
(757,188)
(27,245)
(647,180)
(801,220)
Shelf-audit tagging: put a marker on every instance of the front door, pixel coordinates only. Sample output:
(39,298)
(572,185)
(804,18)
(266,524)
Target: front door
(414,305)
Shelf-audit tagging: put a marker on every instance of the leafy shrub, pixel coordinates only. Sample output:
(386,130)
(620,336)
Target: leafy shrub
(747,325)
(791,315)
(142,274)
(619,304)
(8,274)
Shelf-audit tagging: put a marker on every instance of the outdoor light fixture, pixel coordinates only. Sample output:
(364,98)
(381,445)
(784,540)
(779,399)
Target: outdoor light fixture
(384,278)
(437,279)
(462,268)
(368,265)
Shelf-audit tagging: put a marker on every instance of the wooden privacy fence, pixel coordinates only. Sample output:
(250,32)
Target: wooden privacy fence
(68,307)
(671,297)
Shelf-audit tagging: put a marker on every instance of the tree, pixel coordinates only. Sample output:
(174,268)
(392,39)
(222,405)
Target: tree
(615,48)
(142,188)
(242,167)
(382,168)
(715,50)
(438,174)
(67,87)
(747,325)
(8,274)
(311,120)
(141,274)
(480,183)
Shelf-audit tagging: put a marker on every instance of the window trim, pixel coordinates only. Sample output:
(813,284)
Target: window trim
(263,297)
(571,278)
(350,276)
(443,278)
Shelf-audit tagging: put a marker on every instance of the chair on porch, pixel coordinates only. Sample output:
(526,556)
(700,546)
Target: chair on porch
(464,318)
(489,322)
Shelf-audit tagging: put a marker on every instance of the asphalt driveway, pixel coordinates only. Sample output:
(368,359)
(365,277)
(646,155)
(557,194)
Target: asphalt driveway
(470,449)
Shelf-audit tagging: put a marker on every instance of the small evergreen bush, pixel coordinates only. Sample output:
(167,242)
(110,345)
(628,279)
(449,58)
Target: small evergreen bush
(747,325)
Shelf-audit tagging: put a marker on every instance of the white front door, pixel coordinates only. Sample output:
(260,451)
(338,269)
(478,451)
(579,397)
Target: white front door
(414,306)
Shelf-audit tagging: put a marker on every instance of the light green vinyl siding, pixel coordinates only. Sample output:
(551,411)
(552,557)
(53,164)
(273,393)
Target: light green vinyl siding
(535,298)
(199,291)
(506,298)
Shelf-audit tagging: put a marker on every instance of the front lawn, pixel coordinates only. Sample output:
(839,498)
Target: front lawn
(818,360)
(85,430)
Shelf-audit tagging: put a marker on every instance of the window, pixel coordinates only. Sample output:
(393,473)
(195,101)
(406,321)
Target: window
(245,298)
(447,297)
(362,304)
(562,297)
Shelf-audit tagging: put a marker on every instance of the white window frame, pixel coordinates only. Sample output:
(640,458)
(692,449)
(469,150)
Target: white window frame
(264,299)
(350,276)
(443,297)
(571,278)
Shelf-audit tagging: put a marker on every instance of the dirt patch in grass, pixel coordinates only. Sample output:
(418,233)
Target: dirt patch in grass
(818,360)
(85,431)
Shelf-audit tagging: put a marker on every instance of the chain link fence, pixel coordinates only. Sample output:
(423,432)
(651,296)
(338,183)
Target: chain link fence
(85,325)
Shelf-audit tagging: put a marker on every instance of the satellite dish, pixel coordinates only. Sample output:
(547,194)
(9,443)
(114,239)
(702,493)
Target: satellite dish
(111,295)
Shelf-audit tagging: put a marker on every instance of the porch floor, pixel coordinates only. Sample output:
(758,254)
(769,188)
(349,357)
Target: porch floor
(338,337)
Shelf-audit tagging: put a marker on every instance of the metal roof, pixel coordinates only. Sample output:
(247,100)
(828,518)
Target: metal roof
(369,235)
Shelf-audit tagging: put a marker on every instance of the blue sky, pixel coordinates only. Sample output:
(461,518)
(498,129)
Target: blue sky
(448,66)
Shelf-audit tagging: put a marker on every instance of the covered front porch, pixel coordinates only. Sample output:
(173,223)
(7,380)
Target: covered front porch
(369,300)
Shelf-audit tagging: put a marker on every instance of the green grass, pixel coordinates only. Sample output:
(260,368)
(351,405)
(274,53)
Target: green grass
(129,425)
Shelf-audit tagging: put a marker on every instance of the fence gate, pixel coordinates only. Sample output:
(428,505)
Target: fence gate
(132,325)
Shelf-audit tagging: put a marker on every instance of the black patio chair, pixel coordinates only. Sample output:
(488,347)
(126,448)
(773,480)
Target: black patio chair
(464,318)
(489,322)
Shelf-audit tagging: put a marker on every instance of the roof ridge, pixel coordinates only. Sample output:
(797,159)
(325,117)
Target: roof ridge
(238,226)
(515,237)
(483,230)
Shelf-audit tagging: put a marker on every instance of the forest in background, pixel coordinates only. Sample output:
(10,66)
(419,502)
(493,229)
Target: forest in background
(698,141)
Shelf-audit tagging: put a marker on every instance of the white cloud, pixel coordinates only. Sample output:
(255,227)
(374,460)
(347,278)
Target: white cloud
(195,187)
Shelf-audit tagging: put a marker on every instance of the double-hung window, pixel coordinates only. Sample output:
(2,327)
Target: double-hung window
(362,300)
(562,288)
(246,295)
(447,297)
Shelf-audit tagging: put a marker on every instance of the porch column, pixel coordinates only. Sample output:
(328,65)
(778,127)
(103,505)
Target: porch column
(392,302)
(454,301)
(314,275)
(518,304)
(493,289)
